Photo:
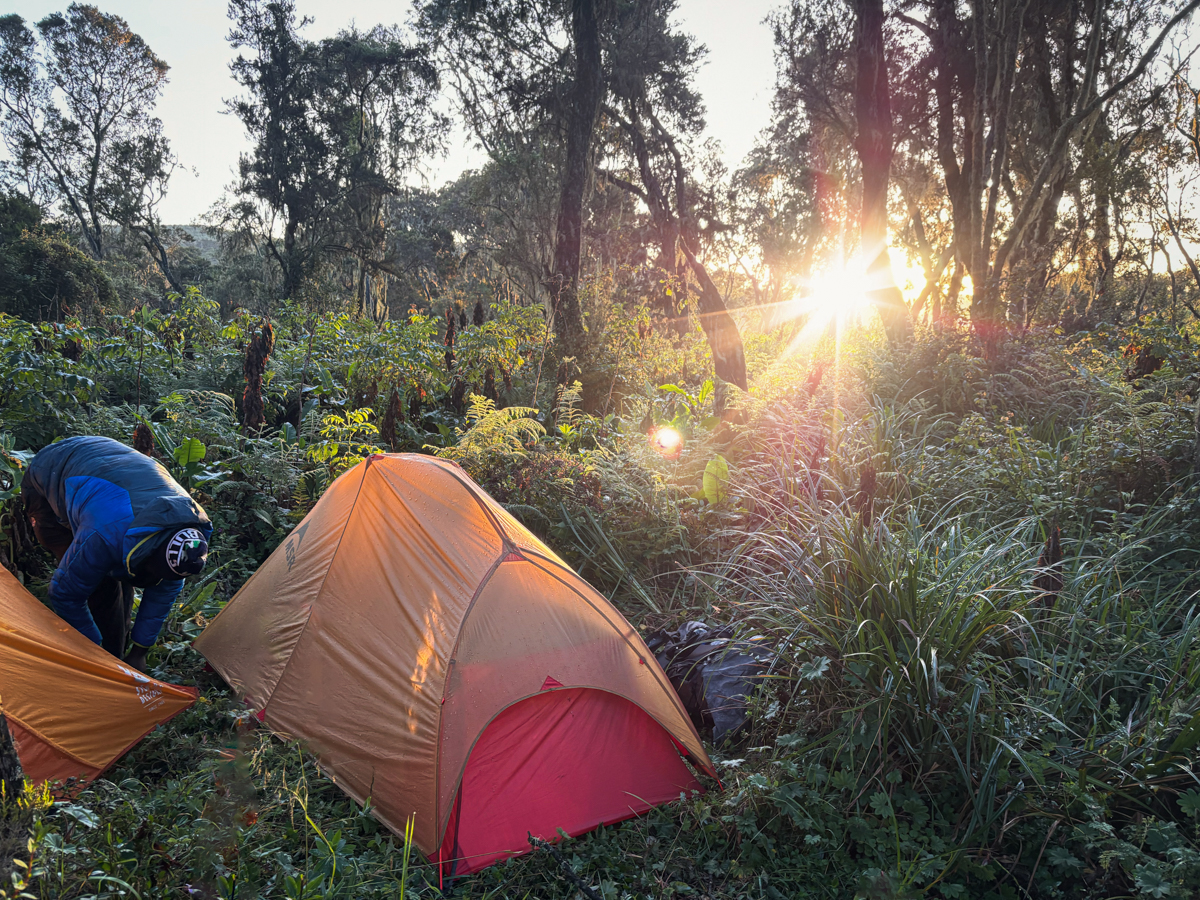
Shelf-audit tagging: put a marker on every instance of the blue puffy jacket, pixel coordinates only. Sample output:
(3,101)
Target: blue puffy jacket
(117,503)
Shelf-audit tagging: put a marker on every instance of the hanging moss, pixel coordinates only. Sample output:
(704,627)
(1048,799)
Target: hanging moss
(143,440)
(391,416)
(258,351)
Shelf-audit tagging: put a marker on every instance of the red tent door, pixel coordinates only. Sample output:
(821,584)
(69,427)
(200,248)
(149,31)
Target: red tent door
(573,759)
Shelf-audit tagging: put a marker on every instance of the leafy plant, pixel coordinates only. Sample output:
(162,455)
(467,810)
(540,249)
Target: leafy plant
(493,432)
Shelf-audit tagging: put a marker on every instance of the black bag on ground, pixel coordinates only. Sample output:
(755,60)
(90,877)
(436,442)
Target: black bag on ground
(713,673)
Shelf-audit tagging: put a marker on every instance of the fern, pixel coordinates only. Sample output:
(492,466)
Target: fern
(493,431)
(346,441)
(566,410)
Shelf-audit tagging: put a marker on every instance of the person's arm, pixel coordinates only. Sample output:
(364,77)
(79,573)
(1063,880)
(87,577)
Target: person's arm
(84,565)
(153,611)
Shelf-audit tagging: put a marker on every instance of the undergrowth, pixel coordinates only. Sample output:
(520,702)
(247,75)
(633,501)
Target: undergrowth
(951,710)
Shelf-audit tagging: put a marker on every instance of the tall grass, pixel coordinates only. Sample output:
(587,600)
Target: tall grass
(920,665)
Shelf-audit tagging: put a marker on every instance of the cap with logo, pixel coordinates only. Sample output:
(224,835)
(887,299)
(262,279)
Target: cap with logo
(187,552)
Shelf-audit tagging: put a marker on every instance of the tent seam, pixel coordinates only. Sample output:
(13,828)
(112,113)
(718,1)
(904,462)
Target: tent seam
(79,759)
(450,661)
(317,597)
(506,546)
(527,555)
(671,692)
(491,516)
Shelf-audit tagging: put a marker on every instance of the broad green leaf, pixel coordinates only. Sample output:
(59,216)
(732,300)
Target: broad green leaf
(716,479)
(81,814)
(202,597)
(190,451)
(1189,802)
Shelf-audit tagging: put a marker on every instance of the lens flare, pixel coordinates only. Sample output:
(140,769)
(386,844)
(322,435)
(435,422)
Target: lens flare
(667,442)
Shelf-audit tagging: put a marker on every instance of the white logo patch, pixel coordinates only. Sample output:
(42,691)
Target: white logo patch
(149,692)
(134,674)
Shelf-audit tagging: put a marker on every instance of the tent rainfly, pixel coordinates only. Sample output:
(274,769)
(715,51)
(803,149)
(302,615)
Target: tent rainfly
(443,662)
(72,708)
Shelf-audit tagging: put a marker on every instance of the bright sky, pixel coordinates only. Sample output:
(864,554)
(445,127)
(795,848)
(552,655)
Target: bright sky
(736,82)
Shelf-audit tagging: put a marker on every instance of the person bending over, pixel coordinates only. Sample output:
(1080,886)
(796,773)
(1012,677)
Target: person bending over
(115,520)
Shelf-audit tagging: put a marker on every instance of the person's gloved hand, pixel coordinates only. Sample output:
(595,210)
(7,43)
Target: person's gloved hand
(136,657)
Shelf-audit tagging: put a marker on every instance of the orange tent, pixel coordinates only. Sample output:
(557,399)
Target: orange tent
(72,708)
(442,661)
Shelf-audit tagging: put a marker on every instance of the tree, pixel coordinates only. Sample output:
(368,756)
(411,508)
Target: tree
(1007,182)
(804,168)
(873,142)
(373,100)
(1017,104)
(77,117)
(522,69)
(591,87)
(43,277)
(791,192)
(335,125)
(651,101)
(17,214)
(587,93)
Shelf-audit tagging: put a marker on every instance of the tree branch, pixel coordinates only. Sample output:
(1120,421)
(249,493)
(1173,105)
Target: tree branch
(1067,129)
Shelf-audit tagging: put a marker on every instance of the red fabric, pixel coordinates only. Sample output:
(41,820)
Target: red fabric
(550,683)
(567,759)
(42,761)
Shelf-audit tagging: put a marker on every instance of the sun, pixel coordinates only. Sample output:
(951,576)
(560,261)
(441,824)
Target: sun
(842,294)
(841,297)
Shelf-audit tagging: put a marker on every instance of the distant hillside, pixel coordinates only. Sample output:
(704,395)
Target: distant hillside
(203,239)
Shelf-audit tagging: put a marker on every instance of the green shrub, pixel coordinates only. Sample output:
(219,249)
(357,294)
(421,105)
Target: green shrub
(43,277)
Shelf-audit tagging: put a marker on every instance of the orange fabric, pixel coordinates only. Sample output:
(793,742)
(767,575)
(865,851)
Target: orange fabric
(73,704)
(403,615)
(48,762)
(533,620)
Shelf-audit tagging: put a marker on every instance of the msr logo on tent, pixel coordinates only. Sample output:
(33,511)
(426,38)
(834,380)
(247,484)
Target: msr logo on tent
(148,695)
(289,551)
(135,675)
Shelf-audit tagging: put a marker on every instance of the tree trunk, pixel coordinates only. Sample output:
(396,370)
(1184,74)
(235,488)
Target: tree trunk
(258,351)
(154,246)
(948,56)
(586,95)
(11,777)
(729,357)
(1040,251)
(1102,201)
(949,311)
(289,263)
(873,111)
(988,317)
(1196,447)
